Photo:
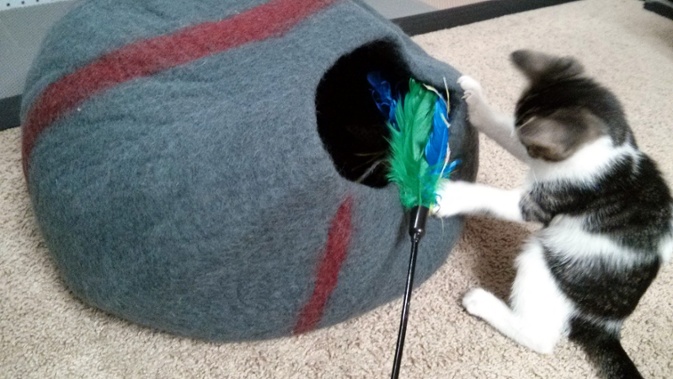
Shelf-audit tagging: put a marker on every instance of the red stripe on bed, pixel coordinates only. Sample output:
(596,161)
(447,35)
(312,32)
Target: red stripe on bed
(335,252)
(147,57)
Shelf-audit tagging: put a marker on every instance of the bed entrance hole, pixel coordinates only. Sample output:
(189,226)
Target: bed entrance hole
(350,125)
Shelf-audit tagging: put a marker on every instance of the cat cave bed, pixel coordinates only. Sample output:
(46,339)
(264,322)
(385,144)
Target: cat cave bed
(209,168)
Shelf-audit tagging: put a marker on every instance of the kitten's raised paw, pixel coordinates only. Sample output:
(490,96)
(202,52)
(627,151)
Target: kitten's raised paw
(479,302)
(471,88)
(479,113)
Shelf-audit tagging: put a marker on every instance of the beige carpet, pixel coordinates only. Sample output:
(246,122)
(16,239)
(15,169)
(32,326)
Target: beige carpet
(45,333)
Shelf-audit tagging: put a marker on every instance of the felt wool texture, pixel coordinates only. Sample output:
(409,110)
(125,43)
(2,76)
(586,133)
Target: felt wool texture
(194,166)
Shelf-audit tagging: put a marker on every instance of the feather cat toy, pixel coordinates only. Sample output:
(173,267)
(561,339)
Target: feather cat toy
(419,158)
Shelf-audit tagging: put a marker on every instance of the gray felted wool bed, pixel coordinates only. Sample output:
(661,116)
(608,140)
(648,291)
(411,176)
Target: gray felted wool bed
(204,167)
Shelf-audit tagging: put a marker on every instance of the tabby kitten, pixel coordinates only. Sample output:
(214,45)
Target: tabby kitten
(605,209)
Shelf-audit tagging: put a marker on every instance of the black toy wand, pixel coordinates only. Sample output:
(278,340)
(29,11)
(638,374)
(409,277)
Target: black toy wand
(419,160)
(416,232)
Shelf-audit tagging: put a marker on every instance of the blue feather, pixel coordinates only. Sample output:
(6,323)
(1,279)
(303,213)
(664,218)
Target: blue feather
(383,97)
(437,148)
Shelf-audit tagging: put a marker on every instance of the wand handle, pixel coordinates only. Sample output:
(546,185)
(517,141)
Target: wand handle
(416,232)
(417,223)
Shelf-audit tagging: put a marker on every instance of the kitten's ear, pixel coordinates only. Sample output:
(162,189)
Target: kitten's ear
(535,64)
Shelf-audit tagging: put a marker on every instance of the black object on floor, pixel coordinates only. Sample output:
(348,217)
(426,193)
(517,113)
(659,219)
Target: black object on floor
(661,7)
(9,112)
(452,17)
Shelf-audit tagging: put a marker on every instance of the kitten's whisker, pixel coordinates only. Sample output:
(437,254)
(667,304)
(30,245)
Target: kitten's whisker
(374,153)
(370,170)
(374,158)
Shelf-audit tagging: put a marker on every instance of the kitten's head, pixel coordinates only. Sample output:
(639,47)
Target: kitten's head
(562,110)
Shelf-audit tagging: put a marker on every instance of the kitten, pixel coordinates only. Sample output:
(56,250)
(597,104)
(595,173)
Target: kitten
(605,209)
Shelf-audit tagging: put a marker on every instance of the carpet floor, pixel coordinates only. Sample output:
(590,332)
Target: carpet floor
(46,333)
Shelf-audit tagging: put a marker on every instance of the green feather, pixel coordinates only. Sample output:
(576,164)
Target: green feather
(408,167)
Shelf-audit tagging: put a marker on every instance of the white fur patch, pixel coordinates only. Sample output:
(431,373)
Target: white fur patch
(540,312)
(566,235)
(666,249)
(585,166)
(537,298)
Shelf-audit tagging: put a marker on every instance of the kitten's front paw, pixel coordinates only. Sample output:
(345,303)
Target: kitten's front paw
(479,302)
(478,111)
(471,88)
(451,198)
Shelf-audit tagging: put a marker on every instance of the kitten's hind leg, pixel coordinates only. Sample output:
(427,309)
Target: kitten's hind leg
(495,125)
(539,314)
